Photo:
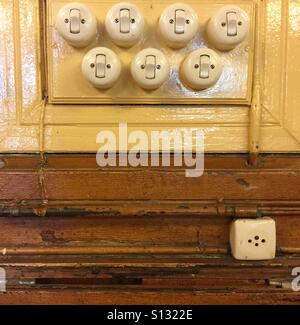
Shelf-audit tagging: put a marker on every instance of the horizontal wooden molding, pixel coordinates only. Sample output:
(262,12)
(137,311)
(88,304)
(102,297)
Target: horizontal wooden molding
(74,184)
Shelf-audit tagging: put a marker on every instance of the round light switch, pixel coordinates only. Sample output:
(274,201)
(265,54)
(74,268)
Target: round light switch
(101,67)
(76,24)
(201,69)
(228,27)
(124,24)
(178,25)
(150,68)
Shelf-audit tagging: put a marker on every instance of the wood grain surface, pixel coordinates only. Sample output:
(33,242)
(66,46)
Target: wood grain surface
(72,233)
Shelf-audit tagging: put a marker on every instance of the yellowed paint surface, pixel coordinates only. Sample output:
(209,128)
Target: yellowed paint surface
(20,79)
(30,124)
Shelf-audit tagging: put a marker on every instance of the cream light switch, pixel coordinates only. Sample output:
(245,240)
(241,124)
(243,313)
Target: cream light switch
(77,24)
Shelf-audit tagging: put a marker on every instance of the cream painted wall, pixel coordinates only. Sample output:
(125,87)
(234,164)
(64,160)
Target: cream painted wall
(268,122)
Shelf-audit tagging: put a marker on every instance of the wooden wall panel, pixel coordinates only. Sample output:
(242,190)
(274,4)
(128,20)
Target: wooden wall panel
(117,297)
(57,179)
(116,234)
(121,235)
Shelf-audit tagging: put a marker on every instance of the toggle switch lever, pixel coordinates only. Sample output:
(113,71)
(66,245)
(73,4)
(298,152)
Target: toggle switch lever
(180,20)
(100,66)
(231,18)
(204,66)
(125,21)
(75,18)
(150,67)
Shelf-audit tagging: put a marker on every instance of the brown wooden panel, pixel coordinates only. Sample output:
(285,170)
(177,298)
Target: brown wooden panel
(131,235)
(119,235)
(100,278)
(219,162)
(69,178)
(146,297)
(108,231)
(227,177)
(172,185)
(148,267)
(17,186)
(181,280)
(20,162)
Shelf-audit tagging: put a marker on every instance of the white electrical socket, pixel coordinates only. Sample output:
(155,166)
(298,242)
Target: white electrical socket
(253,239)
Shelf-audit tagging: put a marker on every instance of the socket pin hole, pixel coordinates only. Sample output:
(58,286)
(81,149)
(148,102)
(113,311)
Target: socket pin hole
(263,241)
(249,241)
(256,237)
(256,244)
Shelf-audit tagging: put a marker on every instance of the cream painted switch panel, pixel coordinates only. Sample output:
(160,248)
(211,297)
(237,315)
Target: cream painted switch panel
(26,118)
(176,30)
